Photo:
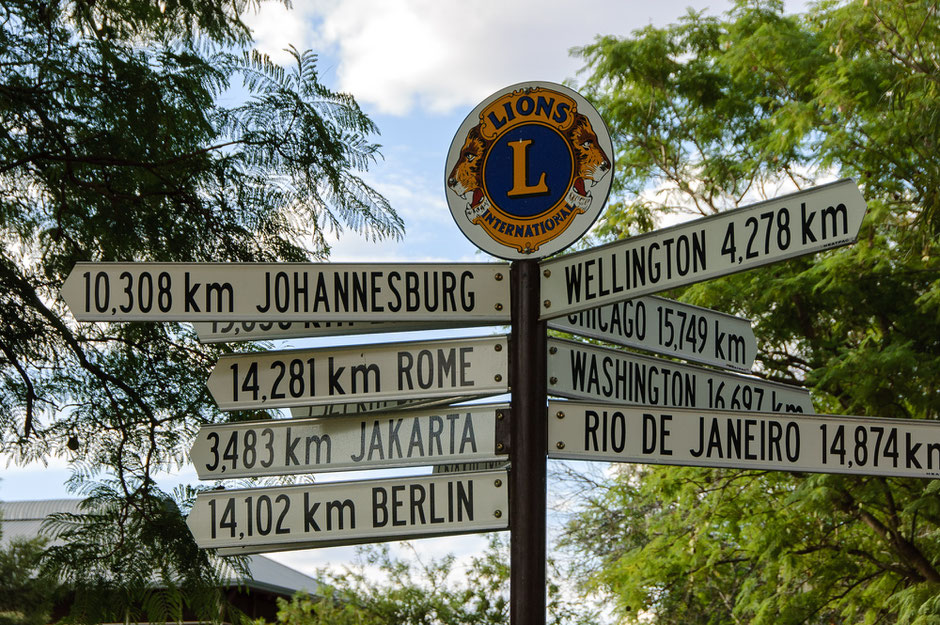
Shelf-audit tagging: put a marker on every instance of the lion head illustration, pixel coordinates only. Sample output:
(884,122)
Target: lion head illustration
(593,163)
(466,177)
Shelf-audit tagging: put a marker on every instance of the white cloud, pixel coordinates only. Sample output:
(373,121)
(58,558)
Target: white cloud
(436,55)
(397,54)
(276,27)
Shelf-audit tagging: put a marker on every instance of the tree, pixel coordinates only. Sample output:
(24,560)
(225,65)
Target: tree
(26,595)
(414,592)
(114,146)
(711,113)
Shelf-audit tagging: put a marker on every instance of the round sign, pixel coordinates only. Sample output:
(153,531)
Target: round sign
(529,171)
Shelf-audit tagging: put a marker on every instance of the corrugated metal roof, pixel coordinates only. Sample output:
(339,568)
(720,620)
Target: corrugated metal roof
(23,519)
(36,510)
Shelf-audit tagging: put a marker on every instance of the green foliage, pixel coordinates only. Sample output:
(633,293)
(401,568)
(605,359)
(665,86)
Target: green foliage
(712,113)
(114,146)
(26,595)
(382,589)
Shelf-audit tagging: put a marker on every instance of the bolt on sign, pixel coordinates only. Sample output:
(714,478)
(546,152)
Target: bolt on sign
(778,442)
(326,292)
(259,520)
(793,225)
(399,439)
(529,170)
(667,327)
(361,373)
(580,371)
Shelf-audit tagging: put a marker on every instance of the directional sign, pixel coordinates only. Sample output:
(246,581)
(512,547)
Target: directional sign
(344,513)
(411,370)
(401,439)
(465,467)
(362,407)
(467,292)
(709,438)
(793,225)
(668,327)
(581,371)
(235,331)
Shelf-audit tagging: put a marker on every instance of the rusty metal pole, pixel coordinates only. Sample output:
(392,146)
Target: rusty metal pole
(527,479)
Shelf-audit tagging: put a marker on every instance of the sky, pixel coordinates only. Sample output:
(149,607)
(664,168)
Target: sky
(417,68)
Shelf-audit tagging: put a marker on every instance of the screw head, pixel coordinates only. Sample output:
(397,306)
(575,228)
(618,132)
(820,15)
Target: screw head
(553,380)
(499,347)
(553,350)
(500,415)
(498,377)
(498,514)
(498,483)
(499,446)
(499,277)
(547,273)
(560,445)
(499,306)
(560,414)
(547,303)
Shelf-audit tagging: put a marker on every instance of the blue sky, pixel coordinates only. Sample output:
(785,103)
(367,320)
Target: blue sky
(417,67)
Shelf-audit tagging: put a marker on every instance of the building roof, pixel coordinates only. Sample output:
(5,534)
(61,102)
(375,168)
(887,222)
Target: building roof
(24,519)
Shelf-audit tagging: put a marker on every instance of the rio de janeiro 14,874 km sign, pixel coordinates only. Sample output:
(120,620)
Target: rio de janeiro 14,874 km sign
(529,171)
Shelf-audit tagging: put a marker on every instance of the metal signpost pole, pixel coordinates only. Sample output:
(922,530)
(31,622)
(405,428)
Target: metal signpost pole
(527,479)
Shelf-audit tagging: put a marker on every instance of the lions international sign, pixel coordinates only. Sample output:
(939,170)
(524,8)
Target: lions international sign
(529,171)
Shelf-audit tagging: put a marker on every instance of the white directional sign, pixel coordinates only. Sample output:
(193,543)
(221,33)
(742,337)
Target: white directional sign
(708,438)
(470,292)
(792,225)
(362,407)
(668,327)
(580,371)
(400,439)
(234,331)
(344,513)
(361,373)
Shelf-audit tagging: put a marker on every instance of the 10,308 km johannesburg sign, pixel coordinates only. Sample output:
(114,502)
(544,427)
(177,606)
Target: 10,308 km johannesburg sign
(529,171)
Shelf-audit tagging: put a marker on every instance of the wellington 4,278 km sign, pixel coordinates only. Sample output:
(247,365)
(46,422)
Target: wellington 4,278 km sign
(810,221)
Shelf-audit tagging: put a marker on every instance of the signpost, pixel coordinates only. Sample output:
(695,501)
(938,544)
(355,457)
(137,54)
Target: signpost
(464,293)
(706,438)
(810,221)
(668,327)
(580,371)
(400,439)
(361,373)
(344,513)
(526,176)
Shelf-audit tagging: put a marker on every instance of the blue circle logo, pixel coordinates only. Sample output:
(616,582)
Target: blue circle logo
(527,170)
(524,165)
